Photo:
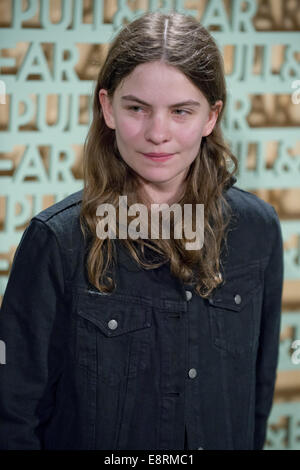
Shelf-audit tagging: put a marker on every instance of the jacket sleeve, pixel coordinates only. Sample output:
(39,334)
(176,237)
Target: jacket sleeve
(30,317)
(268,350)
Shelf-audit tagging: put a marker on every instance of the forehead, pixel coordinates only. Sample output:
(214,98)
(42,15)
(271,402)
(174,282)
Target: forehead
(159,81)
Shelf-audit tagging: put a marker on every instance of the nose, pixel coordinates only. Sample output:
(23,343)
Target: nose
(157,129)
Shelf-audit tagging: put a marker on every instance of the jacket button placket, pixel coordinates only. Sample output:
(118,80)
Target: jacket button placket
(192,399)
(172,376)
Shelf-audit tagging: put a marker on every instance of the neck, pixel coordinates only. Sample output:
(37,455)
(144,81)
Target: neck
(160,194)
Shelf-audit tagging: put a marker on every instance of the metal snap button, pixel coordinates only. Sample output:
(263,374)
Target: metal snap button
(237,299)
(188,295)
(192,373)
(112,324)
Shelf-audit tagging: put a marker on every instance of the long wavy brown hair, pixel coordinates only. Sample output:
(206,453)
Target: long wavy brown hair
(190,48)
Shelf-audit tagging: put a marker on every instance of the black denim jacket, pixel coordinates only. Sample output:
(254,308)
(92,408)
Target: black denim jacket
(150,366)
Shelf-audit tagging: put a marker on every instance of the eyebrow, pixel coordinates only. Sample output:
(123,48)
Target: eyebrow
(182,103)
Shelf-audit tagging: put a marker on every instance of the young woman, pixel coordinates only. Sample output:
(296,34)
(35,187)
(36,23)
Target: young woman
(139,342)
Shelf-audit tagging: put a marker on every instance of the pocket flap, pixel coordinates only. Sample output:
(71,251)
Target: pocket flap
(112,315)
(238,288)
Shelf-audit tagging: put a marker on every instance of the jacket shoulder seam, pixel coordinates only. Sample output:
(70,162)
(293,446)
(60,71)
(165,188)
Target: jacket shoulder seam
(43,223)
(49,212)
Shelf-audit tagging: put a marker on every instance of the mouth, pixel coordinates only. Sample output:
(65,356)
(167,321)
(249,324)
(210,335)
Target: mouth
(158,156)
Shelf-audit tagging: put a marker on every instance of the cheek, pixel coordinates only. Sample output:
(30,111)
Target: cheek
(190,136)
(128,128)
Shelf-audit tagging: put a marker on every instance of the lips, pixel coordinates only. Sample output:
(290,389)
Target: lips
(158,157)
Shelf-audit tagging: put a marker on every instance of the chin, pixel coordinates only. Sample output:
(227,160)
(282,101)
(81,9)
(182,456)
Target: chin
(156,179)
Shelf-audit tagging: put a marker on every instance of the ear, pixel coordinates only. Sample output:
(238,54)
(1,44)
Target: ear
(107,108)
(212,117)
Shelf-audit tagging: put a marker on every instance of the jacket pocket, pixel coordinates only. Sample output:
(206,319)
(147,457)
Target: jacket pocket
(234,310)
(113,339)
